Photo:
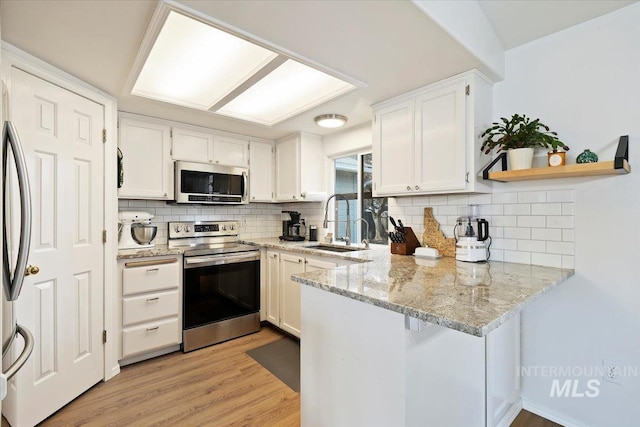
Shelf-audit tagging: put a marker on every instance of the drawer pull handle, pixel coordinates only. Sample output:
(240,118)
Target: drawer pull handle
(151,270)
(155,328)
(153,299)
(134,264)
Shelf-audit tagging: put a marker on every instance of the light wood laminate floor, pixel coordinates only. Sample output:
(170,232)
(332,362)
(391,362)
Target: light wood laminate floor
(215,386)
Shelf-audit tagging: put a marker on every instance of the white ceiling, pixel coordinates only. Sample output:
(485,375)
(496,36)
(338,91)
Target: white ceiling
(391,45)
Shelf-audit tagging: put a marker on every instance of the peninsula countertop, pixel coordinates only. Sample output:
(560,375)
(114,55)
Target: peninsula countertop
(474,298)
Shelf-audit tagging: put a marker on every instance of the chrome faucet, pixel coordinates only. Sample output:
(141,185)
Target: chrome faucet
(365,241)
(326,222)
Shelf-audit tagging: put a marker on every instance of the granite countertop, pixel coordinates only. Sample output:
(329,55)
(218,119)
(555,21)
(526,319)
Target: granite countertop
(468,297)
(158,250)
(306,247)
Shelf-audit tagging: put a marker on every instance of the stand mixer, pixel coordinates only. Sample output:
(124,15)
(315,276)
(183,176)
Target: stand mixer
(135,230)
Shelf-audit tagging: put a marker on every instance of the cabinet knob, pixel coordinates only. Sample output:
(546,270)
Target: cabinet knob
(417,188)
(299,260)
(253,198)
(31,270)
(165,194)
(303,195)
(409,187)
(217,161)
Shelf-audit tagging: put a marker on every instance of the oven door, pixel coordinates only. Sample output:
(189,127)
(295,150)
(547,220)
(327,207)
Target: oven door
(220,287)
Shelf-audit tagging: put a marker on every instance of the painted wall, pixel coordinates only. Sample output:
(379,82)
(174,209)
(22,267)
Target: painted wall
(584,82)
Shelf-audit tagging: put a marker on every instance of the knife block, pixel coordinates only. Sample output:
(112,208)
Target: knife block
(408,247)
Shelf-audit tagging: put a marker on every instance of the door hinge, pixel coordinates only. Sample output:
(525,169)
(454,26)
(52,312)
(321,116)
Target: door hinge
(104,337)
(467,90)
(171,133)
(467,177)
(104,236)
(104,136)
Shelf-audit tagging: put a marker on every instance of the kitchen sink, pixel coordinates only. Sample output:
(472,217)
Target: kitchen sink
(335,248)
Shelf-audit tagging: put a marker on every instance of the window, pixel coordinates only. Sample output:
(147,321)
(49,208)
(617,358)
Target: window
(353,180)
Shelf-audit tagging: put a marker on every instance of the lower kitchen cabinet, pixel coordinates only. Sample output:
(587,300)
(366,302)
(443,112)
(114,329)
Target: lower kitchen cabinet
(151,306)
(283,294)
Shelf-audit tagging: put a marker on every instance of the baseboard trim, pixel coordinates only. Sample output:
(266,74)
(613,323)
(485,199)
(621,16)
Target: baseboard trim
(550,414)
(511,414)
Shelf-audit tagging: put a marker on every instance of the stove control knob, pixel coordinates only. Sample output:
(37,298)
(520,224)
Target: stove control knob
(178,229)
(224,228)
(232,227)
(187,229)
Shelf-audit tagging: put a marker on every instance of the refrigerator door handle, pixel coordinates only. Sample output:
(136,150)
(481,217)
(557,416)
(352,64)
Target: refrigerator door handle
(12,286)
(26,352)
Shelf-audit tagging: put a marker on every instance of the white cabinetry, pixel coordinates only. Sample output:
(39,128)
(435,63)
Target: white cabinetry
(261,161)
(300,168)
(282,303)
(150,308)
(195,144)
(427,141)
(146,148)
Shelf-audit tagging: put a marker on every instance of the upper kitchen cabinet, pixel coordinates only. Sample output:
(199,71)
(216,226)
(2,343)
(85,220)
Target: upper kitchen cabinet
(299,168)
(147,166)
(194,144)
(261,162)
(427,141)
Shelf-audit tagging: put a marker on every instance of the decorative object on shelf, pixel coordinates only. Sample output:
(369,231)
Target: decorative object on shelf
(517,133)
(556,158)
(618,166)
(434,238)
(587,156)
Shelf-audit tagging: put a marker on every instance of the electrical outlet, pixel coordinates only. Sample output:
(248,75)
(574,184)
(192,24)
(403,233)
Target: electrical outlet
(244,222)
(611,371)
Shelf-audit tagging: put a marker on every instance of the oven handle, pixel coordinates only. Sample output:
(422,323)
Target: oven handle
(205,261)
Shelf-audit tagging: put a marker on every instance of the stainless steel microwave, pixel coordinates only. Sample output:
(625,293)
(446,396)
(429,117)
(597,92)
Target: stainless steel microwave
(204,183)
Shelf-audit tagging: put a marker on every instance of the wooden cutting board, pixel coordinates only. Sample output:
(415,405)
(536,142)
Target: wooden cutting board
(434,238)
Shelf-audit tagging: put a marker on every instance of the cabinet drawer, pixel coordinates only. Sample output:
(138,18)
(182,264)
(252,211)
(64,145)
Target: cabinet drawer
(146,276)
(151,336)
(148,307)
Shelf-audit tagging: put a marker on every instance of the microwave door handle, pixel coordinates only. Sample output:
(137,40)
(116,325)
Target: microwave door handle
(13,286)
(244,181)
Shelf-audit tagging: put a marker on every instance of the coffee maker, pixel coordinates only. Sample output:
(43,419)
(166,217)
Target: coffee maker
(292,229)
(472,233)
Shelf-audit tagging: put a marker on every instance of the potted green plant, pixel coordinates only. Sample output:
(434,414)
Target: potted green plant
(519,136)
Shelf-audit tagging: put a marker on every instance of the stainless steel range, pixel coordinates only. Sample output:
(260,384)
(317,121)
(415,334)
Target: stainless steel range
(221,291)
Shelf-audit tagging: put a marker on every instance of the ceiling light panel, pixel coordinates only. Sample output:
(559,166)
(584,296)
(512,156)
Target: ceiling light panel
(196,65)
(288,90)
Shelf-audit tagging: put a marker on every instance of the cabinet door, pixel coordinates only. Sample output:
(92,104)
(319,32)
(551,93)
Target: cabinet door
(290,293)
(191,146)
(230,151)
(440,139)
(261,171)
(393,149)
(147,164)
(273,287)
(288,169)
(314,264)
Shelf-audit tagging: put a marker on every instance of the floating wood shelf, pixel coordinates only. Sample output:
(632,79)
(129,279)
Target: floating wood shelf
(618,166)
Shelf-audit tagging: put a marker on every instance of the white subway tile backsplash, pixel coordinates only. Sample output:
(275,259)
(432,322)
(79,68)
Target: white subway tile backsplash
(567,235)
(567,261)
(485,210)
(517,233)
(563,248)
(503,221)
(509,244)
(438,200)
(560,196)
(458,199)
(517,209)
(547,260)
(532,197)
(546,209)
(502,198)
(496,254)
(546,234)
(517,257)
(447,210)
(403,201)
(532,245)
(560,221)
(496,231)
(420,201)
(480,199)
(567,209)
(532,221)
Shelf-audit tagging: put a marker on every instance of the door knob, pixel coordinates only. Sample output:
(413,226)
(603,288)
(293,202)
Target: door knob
(31,270)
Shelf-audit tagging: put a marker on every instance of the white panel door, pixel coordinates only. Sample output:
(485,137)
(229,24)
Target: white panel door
(393,149)
(230,151)
(288,169)
(273,287)
(63,305)
(191,146)
(440,134)
(261,159)
(290,293)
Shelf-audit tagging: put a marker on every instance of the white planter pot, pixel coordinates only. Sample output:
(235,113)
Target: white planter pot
(520,158)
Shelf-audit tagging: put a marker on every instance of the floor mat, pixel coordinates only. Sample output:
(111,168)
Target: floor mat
(282,359)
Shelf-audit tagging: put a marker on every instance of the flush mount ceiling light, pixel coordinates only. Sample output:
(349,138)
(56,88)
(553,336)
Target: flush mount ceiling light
(331,120)
(188,59)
